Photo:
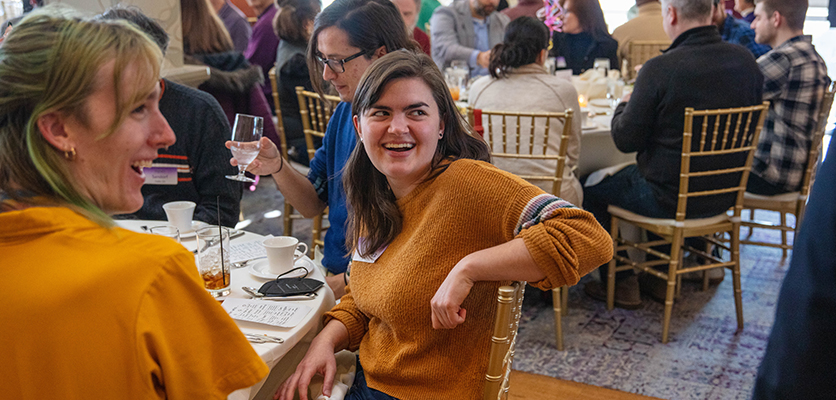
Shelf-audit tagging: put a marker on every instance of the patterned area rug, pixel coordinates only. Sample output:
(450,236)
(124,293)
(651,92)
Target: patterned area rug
(704,359)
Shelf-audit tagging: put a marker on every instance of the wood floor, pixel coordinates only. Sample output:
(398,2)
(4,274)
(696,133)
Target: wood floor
(525,386)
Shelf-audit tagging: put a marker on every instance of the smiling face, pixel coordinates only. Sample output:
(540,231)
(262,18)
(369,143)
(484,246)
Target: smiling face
(400,133)
(109,170)
(764,26)
(332,43)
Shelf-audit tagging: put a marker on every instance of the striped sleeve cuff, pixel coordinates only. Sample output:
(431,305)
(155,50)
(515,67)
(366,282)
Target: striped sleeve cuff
(538,209)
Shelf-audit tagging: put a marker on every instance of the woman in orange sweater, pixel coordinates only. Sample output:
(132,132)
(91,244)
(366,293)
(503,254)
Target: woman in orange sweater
(435,230)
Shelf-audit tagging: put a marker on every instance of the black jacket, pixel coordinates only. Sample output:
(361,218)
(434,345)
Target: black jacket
(602,46)
(699,70)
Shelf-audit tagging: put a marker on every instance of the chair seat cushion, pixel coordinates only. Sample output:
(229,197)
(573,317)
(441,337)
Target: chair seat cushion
(670,222)
(784,197)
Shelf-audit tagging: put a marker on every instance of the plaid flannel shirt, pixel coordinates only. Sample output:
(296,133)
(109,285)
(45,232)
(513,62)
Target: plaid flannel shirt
(795,78)
(737,31)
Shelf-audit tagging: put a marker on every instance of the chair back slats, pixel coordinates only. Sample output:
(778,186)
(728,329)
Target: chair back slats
(534,147)
(721,149)
(642,50)
(503,341)
(315,115)
(279,121)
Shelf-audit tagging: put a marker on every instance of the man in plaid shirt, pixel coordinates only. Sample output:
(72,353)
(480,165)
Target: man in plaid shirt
(795,78)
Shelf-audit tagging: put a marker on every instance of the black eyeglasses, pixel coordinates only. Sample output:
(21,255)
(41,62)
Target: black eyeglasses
(338,66)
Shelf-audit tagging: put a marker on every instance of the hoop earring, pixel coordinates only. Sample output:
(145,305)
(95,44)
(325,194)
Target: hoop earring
(70,154)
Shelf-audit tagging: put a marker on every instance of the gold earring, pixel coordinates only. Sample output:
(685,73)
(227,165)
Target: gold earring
(70,154)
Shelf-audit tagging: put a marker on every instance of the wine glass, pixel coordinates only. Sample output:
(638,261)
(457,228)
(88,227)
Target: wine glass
(246,143)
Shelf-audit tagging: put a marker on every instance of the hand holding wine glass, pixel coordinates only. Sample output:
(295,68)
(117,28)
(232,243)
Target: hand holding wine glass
(245,143)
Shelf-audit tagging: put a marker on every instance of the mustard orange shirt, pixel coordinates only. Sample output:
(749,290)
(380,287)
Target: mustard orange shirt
(97,313)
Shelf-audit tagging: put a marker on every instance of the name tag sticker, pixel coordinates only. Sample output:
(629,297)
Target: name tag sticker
(371,259)
(160,175)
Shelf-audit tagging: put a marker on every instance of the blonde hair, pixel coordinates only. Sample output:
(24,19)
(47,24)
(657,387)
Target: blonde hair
(48,64)
(203,30)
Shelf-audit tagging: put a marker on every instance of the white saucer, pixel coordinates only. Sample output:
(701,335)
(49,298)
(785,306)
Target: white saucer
(590,126)
(195,226)
(261,269)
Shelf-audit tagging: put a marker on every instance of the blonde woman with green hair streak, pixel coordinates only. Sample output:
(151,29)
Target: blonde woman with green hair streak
(95,310)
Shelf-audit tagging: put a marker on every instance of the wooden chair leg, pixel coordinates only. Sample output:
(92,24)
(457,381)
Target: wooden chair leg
(735,256)
(564,298)
(611,266)
(558,305)
(751,218)
(676,246)
(783,234)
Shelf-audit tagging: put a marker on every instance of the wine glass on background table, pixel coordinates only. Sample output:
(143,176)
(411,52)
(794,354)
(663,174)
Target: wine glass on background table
(246,143)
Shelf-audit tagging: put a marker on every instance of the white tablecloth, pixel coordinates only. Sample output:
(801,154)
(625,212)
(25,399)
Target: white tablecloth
(598,149)
(296,339)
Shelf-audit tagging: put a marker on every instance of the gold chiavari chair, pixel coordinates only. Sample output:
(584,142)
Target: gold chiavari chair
(503,341)
(790,203)
(525,137)
(315,115)
(289,213)
(639,51)
(728,134)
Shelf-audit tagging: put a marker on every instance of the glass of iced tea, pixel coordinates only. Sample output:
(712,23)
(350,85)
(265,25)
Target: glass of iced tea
(213,259)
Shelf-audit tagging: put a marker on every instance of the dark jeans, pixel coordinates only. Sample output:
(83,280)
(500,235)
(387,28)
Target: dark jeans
(360,391)
(758,185)
(626,189)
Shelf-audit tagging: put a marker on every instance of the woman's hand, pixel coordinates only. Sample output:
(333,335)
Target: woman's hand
(268,162)
(446,303)
(319,359)
(491,264)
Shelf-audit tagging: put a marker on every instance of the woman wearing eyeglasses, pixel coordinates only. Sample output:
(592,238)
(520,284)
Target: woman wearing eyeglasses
(348,36)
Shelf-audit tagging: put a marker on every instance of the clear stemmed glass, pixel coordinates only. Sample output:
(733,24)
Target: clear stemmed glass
(246,143)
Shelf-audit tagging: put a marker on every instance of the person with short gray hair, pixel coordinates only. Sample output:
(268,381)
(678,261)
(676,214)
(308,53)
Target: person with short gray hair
(698,70)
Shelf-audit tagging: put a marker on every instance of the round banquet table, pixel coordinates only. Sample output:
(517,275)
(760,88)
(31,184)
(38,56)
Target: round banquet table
(296,339)
(598,149)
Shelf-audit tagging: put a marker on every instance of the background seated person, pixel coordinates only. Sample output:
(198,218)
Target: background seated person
(433,219)
(232,80)
(795,78)
(193,168)
(737,31)
(699,70)
(409,12)
(585,37)
(646,25)
(114,313)
(294,23)
(518,82)
(466,30)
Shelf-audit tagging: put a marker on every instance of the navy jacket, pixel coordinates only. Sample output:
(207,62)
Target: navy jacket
(800,359)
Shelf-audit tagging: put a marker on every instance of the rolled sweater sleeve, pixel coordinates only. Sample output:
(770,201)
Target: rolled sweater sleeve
(565,241)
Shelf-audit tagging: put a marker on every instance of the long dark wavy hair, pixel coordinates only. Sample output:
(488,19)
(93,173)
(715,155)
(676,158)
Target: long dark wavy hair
(525,38)
(373,211)
(369,25)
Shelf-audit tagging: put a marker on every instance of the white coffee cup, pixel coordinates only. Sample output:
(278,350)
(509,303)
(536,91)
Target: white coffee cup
(179,214)
(281,252)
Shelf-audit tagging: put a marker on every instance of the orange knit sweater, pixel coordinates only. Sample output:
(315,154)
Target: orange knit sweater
(469,207)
